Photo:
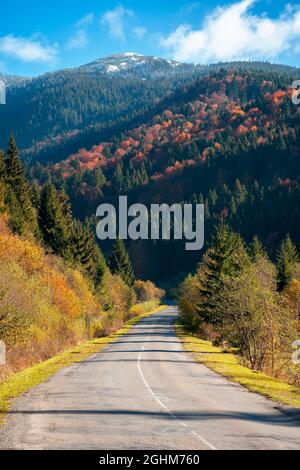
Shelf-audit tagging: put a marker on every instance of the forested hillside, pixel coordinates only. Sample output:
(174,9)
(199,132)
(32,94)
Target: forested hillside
(56,287)
(56,113)
(229,140)
(240,300)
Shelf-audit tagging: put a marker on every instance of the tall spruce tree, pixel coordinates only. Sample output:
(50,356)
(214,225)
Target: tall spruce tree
(17,221)
(14,169)
(23,214)
(287,257)
(257,249)
(120,263)
(225,258)
(54,226)
(85,251)
(2,182)
(2,164)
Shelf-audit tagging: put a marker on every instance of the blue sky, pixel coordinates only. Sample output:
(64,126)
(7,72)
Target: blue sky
(37,37)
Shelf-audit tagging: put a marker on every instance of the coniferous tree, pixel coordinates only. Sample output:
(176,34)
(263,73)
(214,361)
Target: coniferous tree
(23,214)
(35,195)
(53,224)
(257,249)
(2,164)
(225,258)
(16,216)
(120,263)
(100,265)
(118,178)
(14,169)
(2,182)
(66,207)
(85,251)
(287,257)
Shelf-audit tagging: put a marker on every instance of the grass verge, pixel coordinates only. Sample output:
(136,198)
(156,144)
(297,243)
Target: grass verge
(227,365)
(23,381)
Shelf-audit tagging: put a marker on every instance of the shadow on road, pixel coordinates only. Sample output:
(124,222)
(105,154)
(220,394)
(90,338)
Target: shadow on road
(278,418)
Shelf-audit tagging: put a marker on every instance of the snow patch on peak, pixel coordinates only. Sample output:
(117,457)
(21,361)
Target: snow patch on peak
(112,68)
(132,54)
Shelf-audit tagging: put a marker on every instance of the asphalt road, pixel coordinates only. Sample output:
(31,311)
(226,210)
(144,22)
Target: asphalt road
(145,392)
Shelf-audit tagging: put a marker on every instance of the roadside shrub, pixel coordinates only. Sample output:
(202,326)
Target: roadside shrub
(47,306)
(146,291)
(188,297)
(292,294)
(246,311)
(256,319)
(145,307)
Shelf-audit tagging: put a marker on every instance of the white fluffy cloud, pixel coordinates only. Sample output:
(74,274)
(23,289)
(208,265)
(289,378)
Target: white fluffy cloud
(114,20)
(234,32)
(27,50)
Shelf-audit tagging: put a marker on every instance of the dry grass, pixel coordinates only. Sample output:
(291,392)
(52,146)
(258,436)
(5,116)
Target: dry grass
(227,365)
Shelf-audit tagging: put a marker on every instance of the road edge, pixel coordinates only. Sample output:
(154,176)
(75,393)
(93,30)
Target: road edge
(25,380)
(283,401)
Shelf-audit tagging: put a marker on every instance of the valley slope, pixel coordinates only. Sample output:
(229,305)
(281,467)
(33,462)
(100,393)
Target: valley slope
(229,140)
(226,136)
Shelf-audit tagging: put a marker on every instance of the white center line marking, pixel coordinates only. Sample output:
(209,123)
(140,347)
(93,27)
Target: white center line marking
(162,405)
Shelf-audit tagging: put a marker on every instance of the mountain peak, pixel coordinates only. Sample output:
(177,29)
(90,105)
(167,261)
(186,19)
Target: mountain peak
(133,62)
(132,54)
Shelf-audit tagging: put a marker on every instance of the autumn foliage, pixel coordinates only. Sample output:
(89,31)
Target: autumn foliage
(47,306)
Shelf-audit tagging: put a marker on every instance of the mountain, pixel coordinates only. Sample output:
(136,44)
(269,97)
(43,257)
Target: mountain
(226,135)
(145,67)
(56,113)
(230,140)
(12,81)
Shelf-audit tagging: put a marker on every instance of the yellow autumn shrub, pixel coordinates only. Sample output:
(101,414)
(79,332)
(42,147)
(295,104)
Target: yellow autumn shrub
(47,306)
(147,291)
(30,256)
(63,296)
(84,291)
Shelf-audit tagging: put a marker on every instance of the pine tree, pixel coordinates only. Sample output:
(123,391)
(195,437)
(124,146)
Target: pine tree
(16,216)
(85,251)
(118,178)
(287,257)
(54,226)
(239,192)
(66,207)
(120,263)
(2,164)
(257,249)
(35,195)
(2,182)
(19,197)
(100,266)
(225,258)
(14,169)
